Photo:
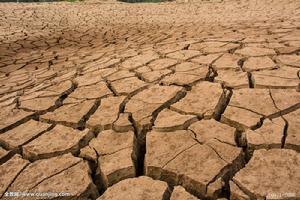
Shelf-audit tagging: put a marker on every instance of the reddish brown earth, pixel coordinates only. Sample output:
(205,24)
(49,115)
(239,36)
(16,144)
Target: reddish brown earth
(179,101)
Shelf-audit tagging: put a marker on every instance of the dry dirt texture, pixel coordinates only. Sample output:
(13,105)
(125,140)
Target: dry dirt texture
(172,101)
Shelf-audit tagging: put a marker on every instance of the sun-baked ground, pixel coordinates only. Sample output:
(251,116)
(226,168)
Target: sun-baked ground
(116,101)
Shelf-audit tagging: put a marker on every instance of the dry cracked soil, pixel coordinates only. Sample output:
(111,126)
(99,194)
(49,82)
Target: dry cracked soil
(103,100)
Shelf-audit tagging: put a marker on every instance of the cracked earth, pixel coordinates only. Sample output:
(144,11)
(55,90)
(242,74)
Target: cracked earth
(172,101)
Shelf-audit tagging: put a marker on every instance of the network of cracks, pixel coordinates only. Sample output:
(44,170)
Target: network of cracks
(173,115)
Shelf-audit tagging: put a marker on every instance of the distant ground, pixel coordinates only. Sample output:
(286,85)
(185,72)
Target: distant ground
(178,100)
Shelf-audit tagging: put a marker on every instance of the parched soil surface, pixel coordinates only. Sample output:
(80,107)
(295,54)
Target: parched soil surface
(172,101)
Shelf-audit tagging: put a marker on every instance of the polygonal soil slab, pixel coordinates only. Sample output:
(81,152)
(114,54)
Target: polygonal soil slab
(59,140)
(283,77)
(183,54)
(291,60)
(168,120)
(136,189)
(183,78)
(186,73)
(255,51)
(9,171)
(114,150)
(122,124)
(270,172)
(57,175)
(139,60)
(248,106)
(155,75)
(202,100)
(206,130)
(179,193)
(150,100)
(11,117)
(91,91)
(221,49)
(176,157)
(54,90)
(258,63)
(120,74)
(88,79)
(232,79)
(22,134)
(206,59)
(286,99)
(162,63)
(227,61)
(206,44)
(127,85)
(269,135)
(5,155)
(39,104)
(106,114)
(73,115)
(292,139)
